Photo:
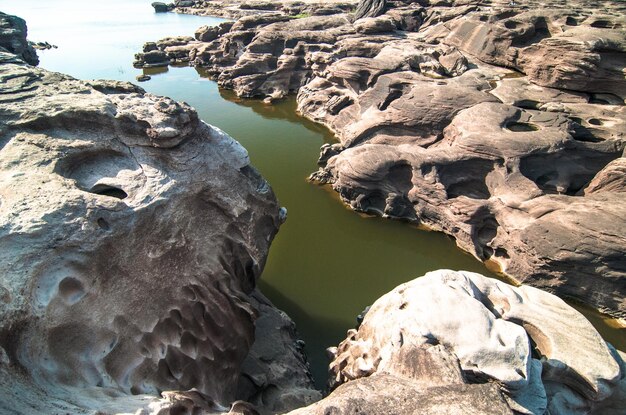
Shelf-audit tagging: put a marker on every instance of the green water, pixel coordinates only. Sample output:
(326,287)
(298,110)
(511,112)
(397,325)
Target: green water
(327,263)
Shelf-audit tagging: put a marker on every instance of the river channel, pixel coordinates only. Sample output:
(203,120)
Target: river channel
(327,263)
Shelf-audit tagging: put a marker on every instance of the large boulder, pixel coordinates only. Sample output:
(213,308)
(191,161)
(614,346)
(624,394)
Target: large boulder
(458,342)
(131,238)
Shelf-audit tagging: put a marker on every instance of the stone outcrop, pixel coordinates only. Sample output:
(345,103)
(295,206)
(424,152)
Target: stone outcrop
(13,34)
(167,51)
(458,342)
(160,7)
(131,238)
(498,123)
(235,9)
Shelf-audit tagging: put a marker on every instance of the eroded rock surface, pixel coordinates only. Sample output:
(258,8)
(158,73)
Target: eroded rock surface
(458,342)
(131,238)
(235,9)
(500,123)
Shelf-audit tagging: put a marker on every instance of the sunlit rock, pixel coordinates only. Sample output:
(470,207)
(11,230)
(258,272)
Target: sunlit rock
(452,342)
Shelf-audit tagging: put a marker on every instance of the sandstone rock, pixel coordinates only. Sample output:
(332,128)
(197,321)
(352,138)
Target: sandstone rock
(571,49)
(151,58)
(611,178)
(369,8)
(457,342)
(371,25)
(418,140)
(131,236)
(384,393)
(206,33)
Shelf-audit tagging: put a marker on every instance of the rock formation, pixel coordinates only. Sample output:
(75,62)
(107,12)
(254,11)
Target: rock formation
(499,123)
(13,38)
(234,9)
(457,342)
(369,8)
(131,238)
(160,7)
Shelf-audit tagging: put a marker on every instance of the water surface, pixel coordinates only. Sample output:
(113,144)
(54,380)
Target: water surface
(327,263)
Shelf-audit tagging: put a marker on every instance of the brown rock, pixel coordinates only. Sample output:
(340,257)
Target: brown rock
(423,136)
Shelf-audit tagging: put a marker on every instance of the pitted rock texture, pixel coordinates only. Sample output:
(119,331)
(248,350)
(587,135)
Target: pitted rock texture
(131,238)
(520,166)
(458,342)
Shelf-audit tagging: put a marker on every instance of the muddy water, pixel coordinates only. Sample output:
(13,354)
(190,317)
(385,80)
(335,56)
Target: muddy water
(327,263)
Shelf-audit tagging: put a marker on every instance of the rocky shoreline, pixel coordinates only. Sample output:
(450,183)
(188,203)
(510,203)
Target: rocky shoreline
(499,124)
(133,234)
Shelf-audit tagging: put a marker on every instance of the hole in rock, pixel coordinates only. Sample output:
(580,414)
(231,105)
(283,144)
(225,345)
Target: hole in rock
(529,104)
(103,224)
(544,179)
(604,24)
(566,172)
(394,94)
(520,127)
(576,120)
(605,99)
(510,24)
(484,230)
(581,133)
(585,136)
(466,178)
(507,14)
(474,189)
(502,253)
(530,37)
(594,121)
(373,203)
(110,191)
(71,290)
(179,409)
(600,101)
(401,176)
(570,21)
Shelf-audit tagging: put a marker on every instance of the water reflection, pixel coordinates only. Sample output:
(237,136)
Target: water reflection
(156,70)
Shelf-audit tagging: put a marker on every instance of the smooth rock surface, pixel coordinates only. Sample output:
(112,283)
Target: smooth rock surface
(458,342)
